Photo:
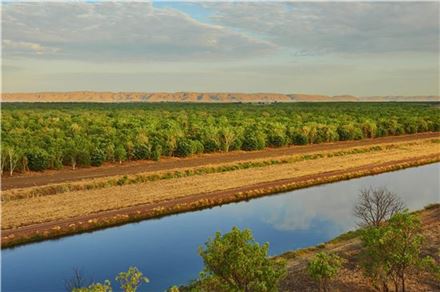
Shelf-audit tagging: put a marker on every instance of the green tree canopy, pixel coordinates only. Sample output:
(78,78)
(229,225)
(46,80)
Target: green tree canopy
(236,262)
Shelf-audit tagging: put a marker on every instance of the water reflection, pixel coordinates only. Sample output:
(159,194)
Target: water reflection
(165,250)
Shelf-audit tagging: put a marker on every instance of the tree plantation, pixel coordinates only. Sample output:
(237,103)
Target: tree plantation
(38,136)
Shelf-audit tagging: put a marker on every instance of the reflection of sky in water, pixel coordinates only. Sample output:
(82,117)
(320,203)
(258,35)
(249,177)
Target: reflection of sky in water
(166,249)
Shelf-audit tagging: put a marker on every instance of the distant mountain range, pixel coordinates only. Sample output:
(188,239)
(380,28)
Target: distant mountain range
(91,96)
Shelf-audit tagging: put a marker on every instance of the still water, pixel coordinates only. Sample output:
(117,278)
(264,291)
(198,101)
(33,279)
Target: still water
(165,250)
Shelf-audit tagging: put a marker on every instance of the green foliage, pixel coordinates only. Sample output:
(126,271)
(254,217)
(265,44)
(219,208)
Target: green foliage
(323,267)
(141,151)
(96,287)
(83,157)
(254,139)
(197,147)
(277,135)
(430,265)
(84,134)
(185,148)
(299,138)
(349,132)
(129,282)
(174,289)
(131,279)
(235,262)
(97,157)
(37,159)
(11,159)
(391,249)
(120,153)
(156,152)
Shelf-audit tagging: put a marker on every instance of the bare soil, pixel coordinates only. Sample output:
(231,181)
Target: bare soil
(30,179)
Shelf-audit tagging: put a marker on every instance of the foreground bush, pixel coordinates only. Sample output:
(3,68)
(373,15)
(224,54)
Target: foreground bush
(235,262)
(129,282)
(323,267)
(392,249)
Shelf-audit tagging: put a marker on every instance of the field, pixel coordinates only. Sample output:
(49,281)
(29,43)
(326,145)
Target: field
(41,136)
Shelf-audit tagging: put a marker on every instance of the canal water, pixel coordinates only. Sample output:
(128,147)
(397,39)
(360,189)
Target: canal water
(165,249)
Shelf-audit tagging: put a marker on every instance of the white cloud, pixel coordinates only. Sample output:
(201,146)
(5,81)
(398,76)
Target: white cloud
(327,48)
(26,47)
(319,28)
(118,31)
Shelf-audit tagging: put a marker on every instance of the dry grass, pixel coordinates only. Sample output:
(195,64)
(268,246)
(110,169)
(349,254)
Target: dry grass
(71,204)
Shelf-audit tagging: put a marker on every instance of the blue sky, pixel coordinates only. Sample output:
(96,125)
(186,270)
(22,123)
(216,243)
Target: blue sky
(359,48)
(195,10)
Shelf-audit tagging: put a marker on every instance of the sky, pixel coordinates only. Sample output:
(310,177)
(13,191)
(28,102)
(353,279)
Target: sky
(332,48)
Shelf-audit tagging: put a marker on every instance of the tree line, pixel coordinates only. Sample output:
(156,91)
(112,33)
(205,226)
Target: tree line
(55,135)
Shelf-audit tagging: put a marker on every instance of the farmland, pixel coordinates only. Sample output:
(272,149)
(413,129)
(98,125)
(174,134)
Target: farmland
(71,207)
(74,168)
(105,164)
(41,136)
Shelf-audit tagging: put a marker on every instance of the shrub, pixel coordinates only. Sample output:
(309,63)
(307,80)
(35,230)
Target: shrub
(83,157)
(349,132)
(37,159)
(129,282)
(391,249)
(120,153)
(156,152)
(131,279)
(197,147)
(97,157)
(235,262)
(184,148)
(299,138)
(253,140)
(141,151)
(324,267)
(211,145)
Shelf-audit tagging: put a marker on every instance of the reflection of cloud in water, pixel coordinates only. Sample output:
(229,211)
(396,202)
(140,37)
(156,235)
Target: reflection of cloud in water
(297,210)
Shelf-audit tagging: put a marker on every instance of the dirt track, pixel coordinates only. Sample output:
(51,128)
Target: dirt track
(222,196)
(58,176)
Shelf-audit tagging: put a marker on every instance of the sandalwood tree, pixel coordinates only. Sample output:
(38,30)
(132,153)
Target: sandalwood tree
(82,134)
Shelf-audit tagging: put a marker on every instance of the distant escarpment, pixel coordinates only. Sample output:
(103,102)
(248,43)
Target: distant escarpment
(196,97)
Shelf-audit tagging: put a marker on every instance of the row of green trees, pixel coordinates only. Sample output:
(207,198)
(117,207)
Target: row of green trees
(50,136)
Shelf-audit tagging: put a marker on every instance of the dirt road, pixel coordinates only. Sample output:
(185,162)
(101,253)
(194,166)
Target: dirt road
(58,176)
